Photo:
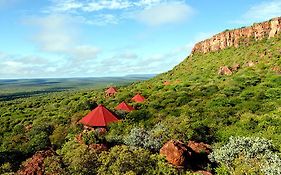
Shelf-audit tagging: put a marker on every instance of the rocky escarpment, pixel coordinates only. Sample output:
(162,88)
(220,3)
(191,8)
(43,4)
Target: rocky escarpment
(235,37)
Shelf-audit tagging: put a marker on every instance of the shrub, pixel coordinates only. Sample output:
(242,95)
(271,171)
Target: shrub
(152,140)
(93,137)
(125,160)
(79,159)
(6,168)
(136,137)
(58,137)
(138,115)
(54,165)
(202,133)
(257,152)
(38,142)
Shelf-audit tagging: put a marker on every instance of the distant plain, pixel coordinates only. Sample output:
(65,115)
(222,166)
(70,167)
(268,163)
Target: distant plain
(20,88)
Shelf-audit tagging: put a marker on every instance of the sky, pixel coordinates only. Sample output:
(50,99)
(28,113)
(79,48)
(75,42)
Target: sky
(96,38)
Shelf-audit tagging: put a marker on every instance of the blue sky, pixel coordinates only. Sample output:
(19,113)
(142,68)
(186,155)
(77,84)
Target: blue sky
(93,38)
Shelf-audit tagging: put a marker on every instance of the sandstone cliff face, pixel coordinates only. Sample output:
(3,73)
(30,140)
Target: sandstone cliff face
(234,37)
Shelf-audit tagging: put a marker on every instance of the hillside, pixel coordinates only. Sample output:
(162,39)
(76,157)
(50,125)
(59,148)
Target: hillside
(229,98)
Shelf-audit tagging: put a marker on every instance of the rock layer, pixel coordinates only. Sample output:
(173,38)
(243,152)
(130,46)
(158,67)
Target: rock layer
(235,37)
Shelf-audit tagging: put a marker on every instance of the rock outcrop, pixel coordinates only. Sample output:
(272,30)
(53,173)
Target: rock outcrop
(234,37)
(174,151)
(192,155)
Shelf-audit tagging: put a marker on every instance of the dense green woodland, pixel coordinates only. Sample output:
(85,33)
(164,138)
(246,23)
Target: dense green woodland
(239,115)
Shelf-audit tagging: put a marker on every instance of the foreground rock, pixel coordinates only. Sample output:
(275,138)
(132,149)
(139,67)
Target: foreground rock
(174,151)
(192,155)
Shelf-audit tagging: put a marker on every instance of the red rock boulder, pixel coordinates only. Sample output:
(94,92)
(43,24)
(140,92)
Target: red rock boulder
(175,152)
(192,155)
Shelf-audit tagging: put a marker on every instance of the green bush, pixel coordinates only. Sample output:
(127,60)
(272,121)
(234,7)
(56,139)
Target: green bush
(79,159)
(54,165)
(256,152)
(149,139)
(125,160)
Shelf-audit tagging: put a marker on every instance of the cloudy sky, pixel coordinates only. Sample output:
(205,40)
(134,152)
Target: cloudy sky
(93,38)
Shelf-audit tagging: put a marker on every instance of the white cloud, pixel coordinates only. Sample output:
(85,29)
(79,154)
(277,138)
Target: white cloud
(124,56)
(55,33)
(109,5)
(100,19)
(85,52)
(88,6)
(149,3)
(126,61)
(165,14)
(15,66)
(59,34)
(130,62)
(260,12)
(151,63)
(65,5)
(152,12)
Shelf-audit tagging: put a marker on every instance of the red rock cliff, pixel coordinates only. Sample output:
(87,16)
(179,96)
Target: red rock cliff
(229,38)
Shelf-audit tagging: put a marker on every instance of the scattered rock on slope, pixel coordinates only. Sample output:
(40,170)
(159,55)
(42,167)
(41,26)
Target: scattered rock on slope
(224,70)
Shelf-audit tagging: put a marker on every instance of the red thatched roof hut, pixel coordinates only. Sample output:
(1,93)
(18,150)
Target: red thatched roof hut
(138,98)
(111,91)
(125,107)
(99,117)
